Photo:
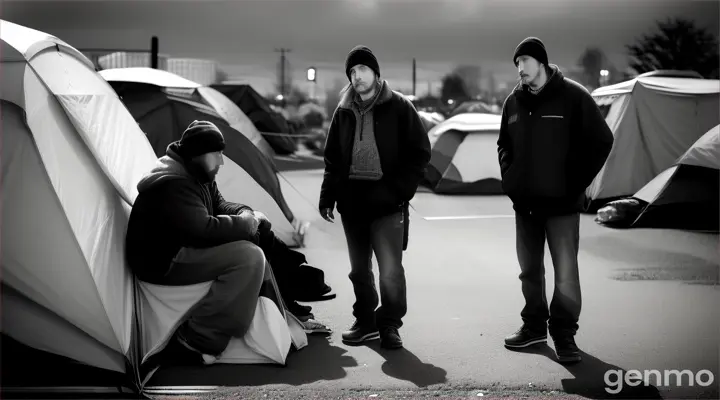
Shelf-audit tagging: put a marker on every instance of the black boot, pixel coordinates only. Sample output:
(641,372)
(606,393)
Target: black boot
(390,339)
(360,332)
(566,349)
(525,337)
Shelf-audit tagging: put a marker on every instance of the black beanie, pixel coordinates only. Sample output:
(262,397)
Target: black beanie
(199,138)
(532,47)
(361,55)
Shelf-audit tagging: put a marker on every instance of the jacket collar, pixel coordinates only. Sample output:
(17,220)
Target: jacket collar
(551,86)
(348,94)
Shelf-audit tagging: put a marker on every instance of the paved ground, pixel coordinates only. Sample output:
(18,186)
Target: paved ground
(650,301)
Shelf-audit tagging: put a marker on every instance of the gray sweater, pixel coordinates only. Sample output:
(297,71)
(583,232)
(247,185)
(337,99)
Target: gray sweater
(365,157)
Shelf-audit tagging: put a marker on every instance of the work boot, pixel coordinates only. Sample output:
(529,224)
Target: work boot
(525,337)
(566,349)
(360,332)
(390,338)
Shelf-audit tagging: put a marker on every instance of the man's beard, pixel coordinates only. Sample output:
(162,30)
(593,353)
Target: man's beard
(213,173)
(369,88)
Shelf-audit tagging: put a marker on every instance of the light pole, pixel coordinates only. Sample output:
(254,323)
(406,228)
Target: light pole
(312,78)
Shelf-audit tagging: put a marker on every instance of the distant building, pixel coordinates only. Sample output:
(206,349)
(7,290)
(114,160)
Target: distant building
(125,59)
(201,71)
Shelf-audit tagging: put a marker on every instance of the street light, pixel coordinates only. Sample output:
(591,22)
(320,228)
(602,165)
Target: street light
(604,76)
(312,78)
(311,74)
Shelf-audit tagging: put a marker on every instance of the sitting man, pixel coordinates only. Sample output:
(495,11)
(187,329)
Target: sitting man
(182,232)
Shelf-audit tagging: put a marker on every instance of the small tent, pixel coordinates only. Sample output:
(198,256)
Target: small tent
(428,119)
(272,125)
(684,196)
(247,177)
(180,86)
(464,155)
(73,315)
(654,120)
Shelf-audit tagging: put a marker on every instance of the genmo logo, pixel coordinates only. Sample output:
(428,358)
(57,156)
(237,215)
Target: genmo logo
(615,379)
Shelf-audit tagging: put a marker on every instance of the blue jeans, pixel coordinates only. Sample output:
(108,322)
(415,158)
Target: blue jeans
(563,236)
(384,236)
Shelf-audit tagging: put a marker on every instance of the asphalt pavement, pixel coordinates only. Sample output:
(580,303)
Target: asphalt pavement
(650,303)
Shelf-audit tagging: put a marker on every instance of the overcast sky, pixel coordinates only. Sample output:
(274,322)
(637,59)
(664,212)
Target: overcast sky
(242,35)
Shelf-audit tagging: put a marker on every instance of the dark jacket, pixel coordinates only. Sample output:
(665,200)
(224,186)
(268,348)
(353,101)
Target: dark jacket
(404,150)
(176,208)
(551,146)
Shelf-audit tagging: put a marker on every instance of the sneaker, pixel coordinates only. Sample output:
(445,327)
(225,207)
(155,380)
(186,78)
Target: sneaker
(566,349)
(390,339)
(525,337)
(359,333)
(312,326)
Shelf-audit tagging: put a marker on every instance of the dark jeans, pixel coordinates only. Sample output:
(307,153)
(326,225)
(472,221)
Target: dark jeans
(384,236)
(563,236)
(284,261)
(239,271)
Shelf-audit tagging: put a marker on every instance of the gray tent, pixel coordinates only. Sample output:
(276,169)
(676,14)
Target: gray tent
(654,120)
(684,196)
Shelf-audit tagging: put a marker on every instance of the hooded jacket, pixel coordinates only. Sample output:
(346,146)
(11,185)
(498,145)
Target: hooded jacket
(551,146)
(179,207)
(403,147)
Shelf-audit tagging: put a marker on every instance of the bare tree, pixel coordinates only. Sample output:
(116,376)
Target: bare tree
(679,45)
(592,62)
(453,87)
(470,76)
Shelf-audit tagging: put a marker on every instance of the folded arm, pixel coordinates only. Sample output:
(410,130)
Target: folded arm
(187,215)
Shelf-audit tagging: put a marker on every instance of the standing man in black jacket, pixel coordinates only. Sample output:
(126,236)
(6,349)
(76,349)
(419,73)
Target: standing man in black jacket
(375,156)
(553,142)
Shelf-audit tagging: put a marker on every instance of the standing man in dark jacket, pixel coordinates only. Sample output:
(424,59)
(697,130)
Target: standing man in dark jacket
(553,141)
(375,156)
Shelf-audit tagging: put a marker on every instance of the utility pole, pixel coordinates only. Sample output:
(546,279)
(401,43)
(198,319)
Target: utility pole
(154,48)
(282,52)
(414,76)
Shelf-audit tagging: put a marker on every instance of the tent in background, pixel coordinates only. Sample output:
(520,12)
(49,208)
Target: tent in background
(684,196)
(654,119)
(247,176)
(464,155)
(271,124)
(429,120)
(73,316)
(175,84)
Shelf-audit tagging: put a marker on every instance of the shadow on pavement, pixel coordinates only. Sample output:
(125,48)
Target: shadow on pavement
(318,361)
(404,365)
(589,378)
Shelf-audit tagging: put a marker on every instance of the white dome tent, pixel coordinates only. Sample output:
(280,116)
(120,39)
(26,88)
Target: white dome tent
(71,157)
(464,155)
